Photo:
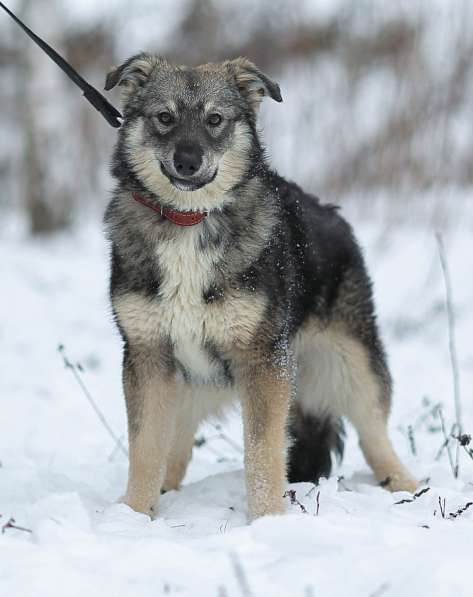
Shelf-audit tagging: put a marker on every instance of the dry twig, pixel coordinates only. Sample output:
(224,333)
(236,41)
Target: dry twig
(75,370)
(446,444)
(412,441)
(10,524)
(442,504)
(460,511)
(291,494)
(451,329)
(458,425)
(414,497)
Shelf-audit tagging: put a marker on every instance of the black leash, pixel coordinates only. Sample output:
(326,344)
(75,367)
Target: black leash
(100,103)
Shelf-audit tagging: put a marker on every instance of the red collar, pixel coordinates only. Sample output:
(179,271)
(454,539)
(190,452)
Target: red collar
(181,218)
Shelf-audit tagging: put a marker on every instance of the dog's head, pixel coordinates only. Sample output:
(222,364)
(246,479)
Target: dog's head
(189,133)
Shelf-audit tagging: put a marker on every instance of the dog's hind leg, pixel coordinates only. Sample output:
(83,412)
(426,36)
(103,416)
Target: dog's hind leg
(196,403)
(178,460)
(365,394)
(339,375)
(183,441)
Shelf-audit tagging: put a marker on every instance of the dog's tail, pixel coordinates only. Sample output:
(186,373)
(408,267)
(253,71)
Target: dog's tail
(313,441)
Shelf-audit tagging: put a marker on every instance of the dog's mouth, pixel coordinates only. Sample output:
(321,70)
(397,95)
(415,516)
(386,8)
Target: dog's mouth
(187,185)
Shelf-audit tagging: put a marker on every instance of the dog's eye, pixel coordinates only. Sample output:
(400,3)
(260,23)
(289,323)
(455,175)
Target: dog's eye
(165,118)
(214,119)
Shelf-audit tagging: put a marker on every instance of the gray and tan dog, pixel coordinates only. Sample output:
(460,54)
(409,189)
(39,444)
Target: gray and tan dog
(228,282)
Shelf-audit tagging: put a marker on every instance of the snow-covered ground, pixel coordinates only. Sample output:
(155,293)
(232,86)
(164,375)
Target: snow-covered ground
(61,474)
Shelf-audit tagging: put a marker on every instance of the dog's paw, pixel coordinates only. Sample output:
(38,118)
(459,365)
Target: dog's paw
(268,507)
(138,504)
(400,482)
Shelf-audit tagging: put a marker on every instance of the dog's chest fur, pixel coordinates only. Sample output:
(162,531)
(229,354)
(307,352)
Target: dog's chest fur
(202,331)
(186,272)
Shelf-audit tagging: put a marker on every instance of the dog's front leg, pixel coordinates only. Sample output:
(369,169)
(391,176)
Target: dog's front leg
(265,394)
(150,395)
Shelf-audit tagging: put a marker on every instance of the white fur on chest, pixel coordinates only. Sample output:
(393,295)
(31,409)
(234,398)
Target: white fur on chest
(186,271)
(179,312)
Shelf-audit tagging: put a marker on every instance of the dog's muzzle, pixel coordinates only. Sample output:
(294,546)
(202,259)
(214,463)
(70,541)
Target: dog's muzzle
(188,184)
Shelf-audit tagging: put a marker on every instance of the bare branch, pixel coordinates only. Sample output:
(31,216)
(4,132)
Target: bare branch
(75,372)
(460,511)
(451,329)
(446,444)
(291,494)
(414,497)
(464,441)
(10,524)
(412,441)
(442,504)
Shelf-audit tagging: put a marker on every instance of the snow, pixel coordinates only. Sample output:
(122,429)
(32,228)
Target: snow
(61,474)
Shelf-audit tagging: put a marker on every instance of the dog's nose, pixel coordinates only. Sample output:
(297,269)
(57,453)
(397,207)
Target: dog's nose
(187,159)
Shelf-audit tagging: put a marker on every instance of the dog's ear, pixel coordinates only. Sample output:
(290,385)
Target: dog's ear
(132,74)
(252,83)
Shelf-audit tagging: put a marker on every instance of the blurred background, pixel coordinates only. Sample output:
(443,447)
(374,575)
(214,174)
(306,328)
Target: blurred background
(377,95)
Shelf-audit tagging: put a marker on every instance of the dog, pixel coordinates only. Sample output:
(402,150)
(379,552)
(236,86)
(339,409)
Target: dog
(229,282)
